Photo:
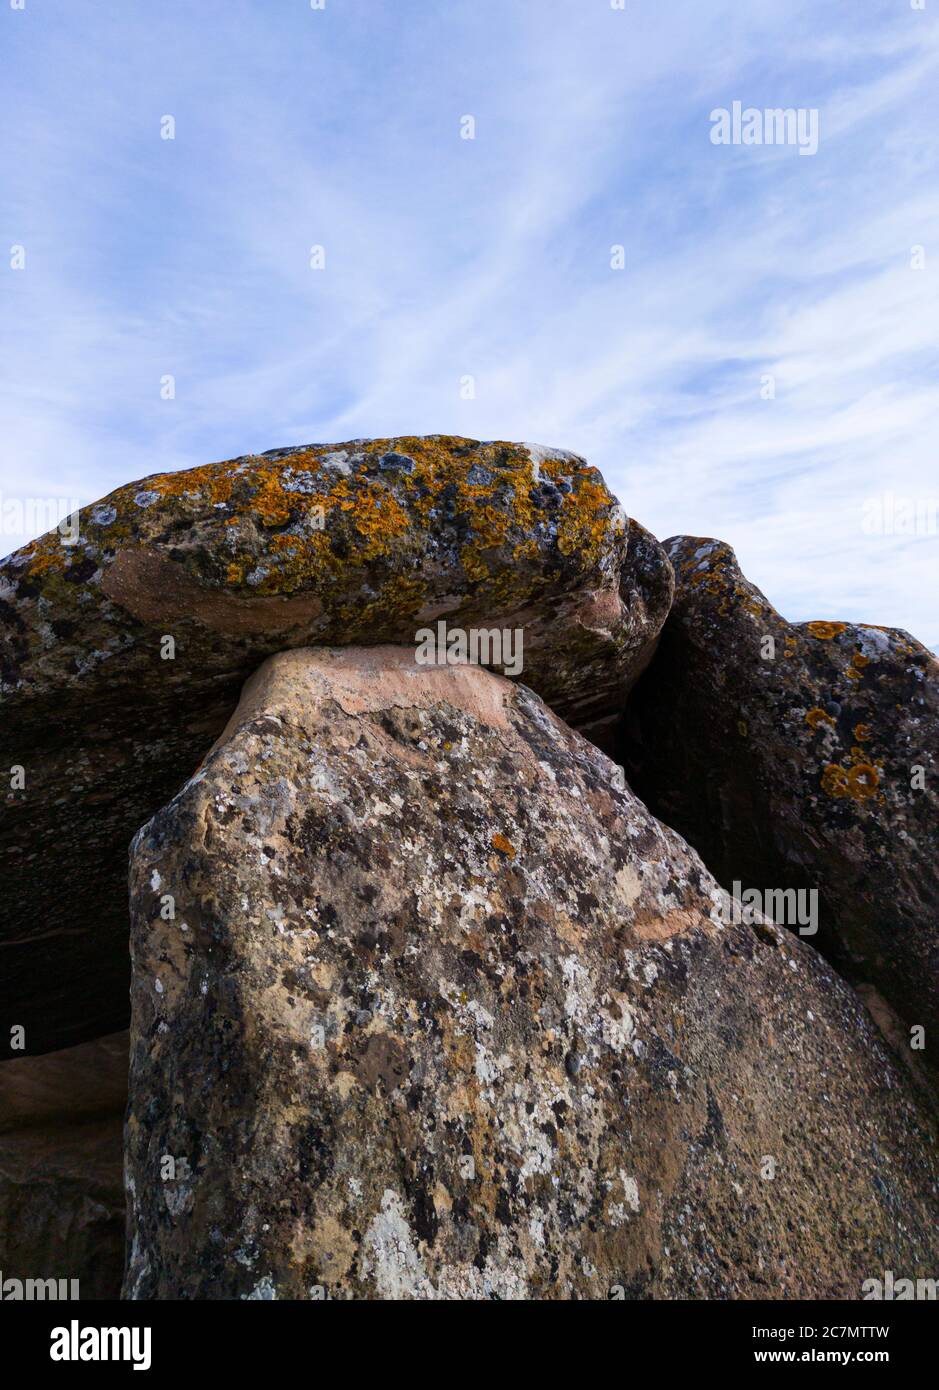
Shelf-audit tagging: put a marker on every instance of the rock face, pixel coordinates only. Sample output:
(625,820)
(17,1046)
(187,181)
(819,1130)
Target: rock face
(424,1006)
(810,760)
(61,1167)
(122,655)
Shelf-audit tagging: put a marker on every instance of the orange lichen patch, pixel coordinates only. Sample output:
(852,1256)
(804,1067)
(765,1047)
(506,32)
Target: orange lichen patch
(376,514)
(815,717)
(270,502)
(862,755)
(216,480)
(742,729)
(564,468)
(504,846)
(585,519)
(862,732)
(860,660)
(826,631)
(490,527)
(299,562)
(499,508)
(859,783)
(474,568)
(835,780)
(47,555)
(863,781)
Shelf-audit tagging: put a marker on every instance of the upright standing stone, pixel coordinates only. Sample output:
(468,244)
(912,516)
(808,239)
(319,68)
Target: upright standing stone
(440,1011)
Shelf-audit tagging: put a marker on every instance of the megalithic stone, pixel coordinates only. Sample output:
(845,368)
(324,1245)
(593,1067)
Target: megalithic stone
(803,756)
(122,654)
(444,1012)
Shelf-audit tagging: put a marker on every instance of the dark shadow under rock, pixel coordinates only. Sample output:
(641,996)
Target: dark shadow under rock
(62,1208)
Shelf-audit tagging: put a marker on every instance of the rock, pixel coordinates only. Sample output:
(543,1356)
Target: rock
(443,1013)
(62,1210)
(809,762)
(123,655)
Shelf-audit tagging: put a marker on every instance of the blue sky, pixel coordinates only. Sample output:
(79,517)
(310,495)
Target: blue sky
(491,258)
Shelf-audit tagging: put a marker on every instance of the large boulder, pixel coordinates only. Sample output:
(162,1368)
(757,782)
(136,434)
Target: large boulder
(803,756)
(122,654)
(62,1210)
(425,1004)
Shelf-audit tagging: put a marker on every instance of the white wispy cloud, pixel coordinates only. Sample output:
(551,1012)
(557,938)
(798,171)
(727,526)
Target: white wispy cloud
(490,257)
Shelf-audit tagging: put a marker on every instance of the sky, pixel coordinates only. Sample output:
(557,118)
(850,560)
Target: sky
(743,337)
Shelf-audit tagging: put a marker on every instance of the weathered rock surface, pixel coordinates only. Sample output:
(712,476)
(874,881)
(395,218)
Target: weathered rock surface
(62,1209)
(441,1012)
(808,762)
(362,542)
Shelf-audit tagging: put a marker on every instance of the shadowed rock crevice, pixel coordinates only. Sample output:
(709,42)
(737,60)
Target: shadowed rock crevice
(62,1211)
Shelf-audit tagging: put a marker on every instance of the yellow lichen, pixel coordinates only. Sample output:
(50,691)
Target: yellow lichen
(47,556)
(835,780)
(283,533)
(584,522)
(863,781)
(826,631)
(859,783)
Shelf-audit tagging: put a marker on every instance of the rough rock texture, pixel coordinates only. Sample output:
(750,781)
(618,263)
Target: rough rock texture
(796,766)
(62,1209)
(362,542)
(442,1013)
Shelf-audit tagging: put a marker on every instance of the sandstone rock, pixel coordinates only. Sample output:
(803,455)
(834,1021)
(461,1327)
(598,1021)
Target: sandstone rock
(62,1211)
(811,761)
(442,1013)
(361,542)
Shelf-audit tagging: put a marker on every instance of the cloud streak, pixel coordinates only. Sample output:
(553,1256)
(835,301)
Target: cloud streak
(491,257)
